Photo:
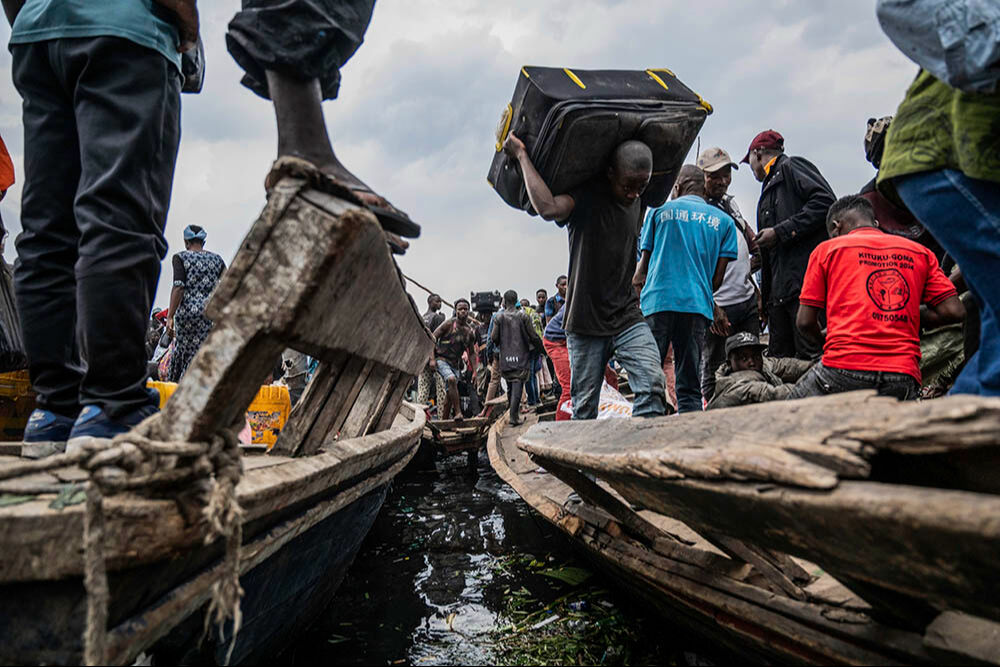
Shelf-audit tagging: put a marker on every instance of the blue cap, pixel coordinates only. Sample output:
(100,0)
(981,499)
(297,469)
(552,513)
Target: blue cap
(194,232)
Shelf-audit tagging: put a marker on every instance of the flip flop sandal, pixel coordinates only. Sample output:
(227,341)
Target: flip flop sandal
(391,219)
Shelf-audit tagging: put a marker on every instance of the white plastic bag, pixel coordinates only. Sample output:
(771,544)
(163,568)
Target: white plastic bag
(612,406)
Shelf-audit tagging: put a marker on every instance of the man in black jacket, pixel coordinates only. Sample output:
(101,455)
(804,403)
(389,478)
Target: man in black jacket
(791,217)
(516,340)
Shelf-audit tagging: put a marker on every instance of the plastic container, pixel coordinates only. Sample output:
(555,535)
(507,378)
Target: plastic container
(166,390)
(17,400)
(266,415)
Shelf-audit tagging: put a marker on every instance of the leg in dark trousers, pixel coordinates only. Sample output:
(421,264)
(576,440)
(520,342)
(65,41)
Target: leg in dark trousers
(785,339)
(781,331)
(304,39)
(685,331)
(514,400)
(102,127)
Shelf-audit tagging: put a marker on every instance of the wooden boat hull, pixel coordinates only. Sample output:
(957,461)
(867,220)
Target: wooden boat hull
(724,600)
(301,271)
(42,620)
(283,596)
(842,493)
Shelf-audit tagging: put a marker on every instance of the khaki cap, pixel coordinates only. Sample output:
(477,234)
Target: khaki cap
(714,159)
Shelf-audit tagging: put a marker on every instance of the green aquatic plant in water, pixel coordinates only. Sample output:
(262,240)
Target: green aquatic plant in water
(556,618)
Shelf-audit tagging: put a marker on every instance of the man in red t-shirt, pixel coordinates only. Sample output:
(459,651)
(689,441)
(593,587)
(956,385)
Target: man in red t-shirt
(871,285)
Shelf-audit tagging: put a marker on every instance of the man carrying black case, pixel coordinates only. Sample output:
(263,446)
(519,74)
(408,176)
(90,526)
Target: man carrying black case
(603,217)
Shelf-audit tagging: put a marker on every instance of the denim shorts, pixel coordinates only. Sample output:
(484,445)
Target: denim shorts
(445,370)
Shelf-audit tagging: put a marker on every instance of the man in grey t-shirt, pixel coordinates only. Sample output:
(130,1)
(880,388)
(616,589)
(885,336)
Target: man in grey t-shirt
(603,217)
(736,299)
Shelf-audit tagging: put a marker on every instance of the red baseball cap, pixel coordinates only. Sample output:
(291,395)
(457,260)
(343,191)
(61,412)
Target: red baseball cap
(766,139)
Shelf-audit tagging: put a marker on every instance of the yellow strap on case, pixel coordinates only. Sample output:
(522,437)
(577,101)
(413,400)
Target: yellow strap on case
(574,77)
(657,79)
(503,127)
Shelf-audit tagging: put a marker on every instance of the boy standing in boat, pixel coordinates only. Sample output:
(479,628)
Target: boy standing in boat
(454,337)
(871,285)
(602,318)
(101,83)
(517,342)
(686,246)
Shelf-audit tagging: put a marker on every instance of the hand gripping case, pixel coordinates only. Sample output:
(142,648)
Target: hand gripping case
(572,120)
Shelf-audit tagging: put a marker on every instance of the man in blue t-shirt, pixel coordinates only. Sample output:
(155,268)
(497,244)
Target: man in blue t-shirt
(685,245)
(101,83)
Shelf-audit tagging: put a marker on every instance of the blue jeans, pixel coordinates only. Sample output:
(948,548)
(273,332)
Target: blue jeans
(963,214)
(821,380)
(531,386)
(636,351)
(685,331)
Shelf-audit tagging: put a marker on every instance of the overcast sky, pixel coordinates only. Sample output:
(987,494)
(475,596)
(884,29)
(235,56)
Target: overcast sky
(420,101)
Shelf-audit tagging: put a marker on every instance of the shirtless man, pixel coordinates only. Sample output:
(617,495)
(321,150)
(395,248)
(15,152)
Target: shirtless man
(452,338)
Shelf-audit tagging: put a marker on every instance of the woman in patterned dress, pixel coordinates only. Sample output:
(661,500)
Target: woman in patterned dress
(196,273)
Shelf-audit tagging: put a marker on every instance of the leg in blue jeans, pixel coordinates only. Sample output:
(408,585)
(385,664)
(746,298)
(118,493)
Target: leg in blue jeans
(636,350)
(588,355)
(963,214)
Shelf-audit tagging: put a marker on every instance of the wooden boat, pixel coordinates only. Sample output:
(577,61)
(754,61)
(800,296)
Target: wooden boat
(778,532)
(303,278)
(447,437)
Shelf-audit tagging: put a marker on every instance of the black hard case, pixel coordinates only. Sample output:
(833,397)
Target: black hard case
(572,120)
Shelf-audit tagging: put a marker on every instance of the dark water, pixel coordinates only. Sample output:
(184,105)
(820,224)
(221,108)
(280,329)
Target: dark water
(429,586)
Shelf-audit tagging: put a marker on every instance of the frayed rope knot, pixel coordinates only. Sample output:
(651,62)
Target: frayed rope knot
(133,461)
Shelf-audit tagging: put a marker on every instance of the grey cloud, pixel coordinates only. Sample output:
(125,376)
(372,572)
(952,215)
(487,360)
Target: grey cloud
(421,98)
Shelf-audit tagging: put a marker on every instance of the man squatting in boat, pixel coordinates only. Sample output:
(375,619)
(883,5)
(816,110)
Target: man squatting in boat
(89,255)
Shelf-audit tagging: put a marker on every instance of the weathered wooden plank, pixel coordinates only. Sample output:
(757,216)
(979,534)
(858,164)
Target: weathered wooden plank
(932,544)
(706,591)
(142,530)
(347,395)
(394,405)
(339,398)
(787,442)
(302,275)
(127,640)
(367,402)
(592,492)
(962,639)
(304,414)
(748,553)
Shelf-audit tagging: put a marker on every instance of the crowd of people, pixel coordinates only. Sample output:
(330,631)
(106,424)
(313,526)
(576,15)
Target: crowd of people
(680,297)
(846,290)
